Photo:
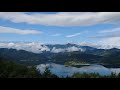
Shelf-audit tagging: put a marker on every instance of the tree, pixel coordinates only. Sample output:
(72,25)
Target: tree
(34,73)
(47,74)
(10,69)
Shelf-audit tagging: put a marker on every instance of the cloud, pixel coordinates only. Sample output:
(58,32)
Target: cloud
(56,34)
(109,43)
(32,46)
(72,49)
(73,35)
(37,47)
(108,33)
(63,18)
(55,50)
(110,30)
(18,31)
(106,36)
(69,49)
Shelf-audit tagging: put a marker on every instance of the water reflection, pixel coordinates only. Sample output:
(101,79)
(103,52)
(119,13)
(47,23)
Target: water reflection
(61,70)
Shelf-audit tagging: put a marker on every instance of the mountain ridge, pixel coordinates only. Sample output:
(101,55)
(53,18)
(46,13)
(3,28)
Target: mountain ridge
(89,55)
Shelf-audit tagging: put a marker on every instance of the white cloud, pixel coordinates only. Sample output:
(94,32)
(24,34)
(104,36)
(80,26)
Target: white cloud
(63,18)
(109,43)
(73,35)
(57,34)
(32,47)
(106,43)
(36,47)
(106,36)
(18,31)
(55,50)
(110,30)
(69,49)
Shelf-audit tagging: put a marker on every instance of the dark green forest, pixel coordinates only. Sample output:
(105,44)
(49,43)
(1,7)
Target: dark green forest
(108,58)
(22,64)
(9,69)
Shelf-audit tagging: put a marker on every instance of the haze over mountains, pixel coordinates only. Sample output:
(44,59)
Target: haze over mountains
(37,47)
(36,53)
(60,37)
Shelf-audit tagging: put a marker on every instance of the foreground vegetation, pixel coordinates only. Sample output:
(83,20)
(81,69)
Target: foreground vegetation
(10,69)
(94,75)
(109,58)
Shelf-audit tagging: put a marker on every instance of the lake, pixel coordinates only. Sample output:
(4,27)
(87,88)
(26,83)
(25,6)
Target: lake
(61,70)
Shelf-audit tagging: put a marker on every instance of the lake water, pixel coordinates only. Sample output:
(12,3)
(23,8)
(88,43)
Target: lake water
(61,70)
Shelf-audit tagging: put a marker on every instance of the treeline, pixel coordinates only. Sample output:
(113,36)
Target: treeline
(94,75)
(9,69)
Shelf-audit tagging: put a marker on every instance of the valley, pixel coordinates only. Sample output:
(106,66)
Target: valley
(89,55)
(59,44)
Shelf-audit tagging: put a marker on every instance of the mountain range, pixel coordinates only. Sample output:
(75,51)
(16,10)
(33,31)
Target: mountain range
(61,54)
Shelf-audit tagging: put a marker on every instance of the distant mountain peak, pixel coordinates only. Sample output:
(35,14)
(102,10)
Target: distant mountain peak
(72,44)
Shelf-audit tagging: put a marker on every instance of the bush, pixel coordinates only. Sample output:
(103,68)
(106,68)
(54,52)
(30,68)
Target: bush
(10,69)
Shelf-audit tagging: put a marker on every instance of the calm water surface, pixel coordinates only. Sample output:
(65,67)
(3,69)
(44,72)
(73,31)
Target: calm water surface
(61,70)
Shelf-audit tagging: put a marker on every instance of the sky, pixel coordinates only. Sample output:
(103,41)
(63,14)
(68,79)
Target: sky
(61,27)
